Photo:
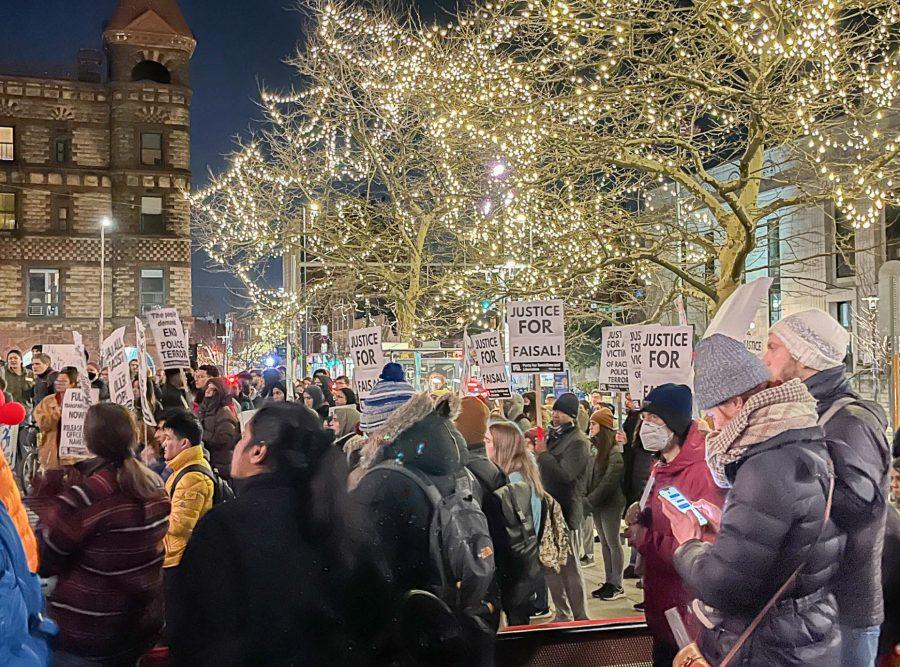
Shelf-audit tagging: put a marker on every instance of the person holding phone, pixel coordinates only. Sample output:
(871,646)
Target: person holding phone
(677,442)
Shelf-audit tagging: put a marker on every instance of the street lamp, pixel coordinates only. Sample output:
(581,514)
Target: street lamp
(105,222)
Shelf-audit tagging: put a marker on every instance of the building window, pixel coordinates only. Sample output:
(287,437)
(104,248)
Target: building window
(150,70)
(843,313)
(892,231)
(152,216)
(844,245)
(7,211)
(61,149)
(59,213)
(7,143)
(151,148)
(43,292)
(152,289)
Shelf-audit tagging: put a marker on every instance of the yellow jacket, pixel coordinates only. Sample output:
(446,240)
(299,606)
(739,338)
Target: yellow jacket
(191,500)
(12,500)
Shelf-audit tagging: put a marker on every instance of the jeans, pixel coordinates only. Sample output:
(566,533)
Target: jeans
(609,521)
(859,646)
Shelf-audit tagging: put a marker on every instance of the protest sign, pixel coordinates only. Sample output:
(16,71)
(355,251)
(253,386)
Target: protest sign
(536,336)
(71,435)
(84,382)
(614,359)
(115,359)
(739,310)
(368,358)
(682,313)
(245,417)
(491,364)
(756,345)
(170,337)
(9,439)
(62,356)
(666,356)
(633,335)
(140,342)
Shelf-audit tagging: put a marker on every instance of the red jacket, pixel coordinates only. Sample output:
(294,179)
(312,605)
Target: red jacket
(663,589)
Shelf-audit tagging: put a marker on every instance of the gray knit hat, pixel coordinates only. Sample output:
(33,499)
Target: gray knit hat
(723,369)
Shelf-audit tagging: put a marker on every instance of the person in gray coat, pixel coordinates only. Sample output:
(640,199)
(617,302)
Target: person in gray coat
(811,345)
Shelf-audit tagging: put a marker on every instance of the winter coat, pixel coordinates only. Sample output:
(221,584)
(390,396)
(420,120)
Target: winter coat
(172,397)
(106,548)
(638,460)
(564,470)
(191,499)
(603,485)
(890,583)
(21,387)
(48,415)
(663,588)
(514,411)
(12,501)
(221,431)
(773,513)
(102,388)
(43,385)
(23,641)
(861,426)
(254,588)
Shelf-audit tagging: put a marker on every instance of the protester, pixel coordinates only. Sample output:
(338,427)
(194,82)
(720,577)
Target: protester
(44,377)
(97,382)
(889,638)
(134,367)
(769,452)
(563,461)
(314,399)
(284,574)
(811,346)
(221,429)
(172,390)
(344,422)
(19,381)
(246,392)
(529,408)
(48,415)
(668,430)
(145,432)
(342,382)
(101,534)
(279,392)
(346,396)
(514,411)
(270,377)
(605,501)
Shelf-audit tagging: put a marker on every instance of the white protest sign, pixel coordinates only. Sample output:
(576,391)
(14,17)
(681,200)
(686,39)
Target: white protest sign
(9,439)
(666,354)
(682,313)
(536,336)
(140,342)
(114,358)
(245,417)
(739,310)
(368,358)
(71,435)
(170,337)
(755,344)
(84,382)
(614,359)
(491,364)
(634,337)
(62,356)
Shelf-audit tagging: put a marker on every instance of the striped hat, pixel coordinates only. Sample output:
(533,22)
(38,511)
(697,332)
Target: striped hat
(389,393)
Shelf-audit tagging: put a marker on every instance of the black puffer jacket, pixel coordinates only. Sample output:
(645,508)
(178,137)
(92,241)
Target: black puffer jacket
(772,514)
(564,471)
(862,459)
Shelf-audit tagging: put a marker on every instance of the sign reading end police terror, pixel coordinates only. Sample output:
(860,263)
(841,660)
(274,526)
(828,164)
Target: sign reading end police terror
(491,364)
(368,358)
(536,336)
(171,342)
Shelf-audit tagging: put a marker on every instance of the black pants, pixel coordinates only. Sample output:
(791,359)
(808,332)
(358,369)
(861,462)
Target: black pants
(170,574)
(663,653)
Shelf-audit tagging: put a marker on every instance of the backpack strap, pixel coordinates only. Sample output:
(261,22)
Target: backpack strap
(836,407)
(422,481)
(194,467)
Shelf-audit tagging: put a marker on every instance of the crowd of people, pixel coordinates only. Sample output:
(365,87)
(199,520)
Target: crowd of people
(408,528)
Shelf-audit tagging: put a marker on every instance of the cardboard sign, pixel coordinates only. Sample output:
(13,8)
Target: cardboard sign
(140,342)
(171,341)
(71,435)
(368,358)
(9,440)
(488,350)
(756,345)
(739,310)
(614,359)
(666,354)
(84,381)
(536,336)
(115,358)
(62,356)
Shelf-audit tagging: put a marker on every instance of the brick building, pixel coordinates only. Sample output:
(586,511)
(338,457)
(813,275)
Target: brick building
(111,141)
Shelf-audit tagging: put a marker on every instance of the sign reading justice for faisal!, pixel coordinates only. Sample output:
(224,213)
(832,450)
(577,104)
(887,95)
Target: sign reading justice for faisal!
(536,336)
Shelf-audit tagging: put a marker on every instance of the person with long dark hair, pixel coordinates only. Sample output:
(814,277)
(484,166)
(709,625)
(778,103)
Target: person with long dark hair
(221,429)
(101,528)
(283,575)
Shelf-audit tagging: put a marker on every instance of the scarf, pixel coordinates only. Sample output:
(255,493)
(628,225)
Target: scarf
(766,414)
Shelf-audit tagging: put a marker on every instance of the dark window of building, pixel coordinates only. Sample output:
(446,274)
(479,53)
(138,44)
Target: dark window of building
(150,70)
(152,221)
(151,148)
(59,212)
(7,211)
(892,231)
(844,245)
(43,292)
(7,143)
(152,289)
(61,149)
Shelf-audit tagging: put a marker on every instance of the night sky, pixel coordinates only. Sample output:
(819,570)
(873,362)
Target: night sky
(240,45)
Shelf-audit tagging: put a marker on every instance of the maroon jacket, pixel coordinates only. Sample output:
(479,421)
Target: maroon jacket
(663,589)
(106,547)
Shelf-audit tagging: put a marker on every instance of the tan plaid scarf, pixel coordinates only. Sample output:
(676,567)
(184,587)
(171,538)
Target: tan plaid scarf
(764,415)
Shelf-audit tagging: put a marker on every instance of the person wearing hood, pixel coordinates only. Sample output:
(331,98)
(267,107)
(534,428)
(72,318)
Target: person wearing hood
(775,543)
(346,396)
(668,430)
(811,346)
(271,377)
(314,399)
(221,429)
(97,381)
(514,411)
(344,421)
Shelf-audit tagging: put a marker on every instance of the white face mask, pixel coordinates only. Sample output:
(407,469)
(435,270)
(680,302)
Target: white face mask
(655,438)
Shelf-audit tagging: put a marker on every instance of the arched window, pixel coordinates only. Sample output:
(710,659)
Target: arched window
(150,70)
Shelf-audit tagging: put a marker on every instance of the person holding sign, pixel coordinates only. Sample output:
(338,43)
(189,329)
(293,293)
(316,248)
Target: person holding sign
(48,415)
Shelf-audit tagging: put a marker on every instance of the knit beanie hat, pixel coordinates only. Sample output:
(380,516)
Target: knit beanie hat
(814,338)
(389,393)
(604,417)
(472,421)
(568,404)
(723,369)
(673,403)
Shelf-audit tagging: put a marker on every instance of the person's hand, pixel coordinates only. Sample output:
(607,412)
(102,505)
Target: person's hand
(631,515)
(621,438)
(540,445)
(711,512)
(684,525)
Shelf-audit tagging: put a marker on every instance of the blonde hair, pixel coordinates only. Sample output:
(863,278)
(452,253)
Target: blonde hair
(511,454)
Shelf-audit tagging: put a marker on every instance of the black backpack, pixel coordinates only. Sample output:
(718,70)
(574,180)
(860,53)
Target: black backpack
(519,548)
(222,492)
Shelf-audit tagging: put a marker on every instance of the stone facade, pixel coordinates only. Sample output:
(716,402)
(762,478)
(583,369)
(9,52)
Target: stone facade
(94,147)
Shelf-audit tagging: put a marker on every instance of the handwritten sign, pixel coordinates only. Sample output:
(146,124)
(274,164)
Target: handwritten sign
(9,439)
(62,356)
(368,358)
(614,359)
(536,336)
(140,342)
(115,358)
(171,341)
(491,364)
(84,382)
(71,436)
